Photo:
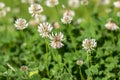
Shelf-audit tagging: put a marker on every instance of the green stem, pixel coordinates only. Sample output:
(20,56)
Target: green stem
(68,70)
(47,60)
(82,78)
(24,36)
(90,59)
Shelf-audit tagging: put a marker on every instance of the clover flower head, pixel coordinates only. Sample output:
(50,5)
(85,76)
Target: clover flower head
(69,13)
(40,18)
(2,13)
(74,3)
(84,2)
(56,25)
(66,19)
(21,24)
(79,62)
(117,4)
(52,3)
(35,9)
(56,40)
(89,44)
(44,29)
(24,68)
(111,25)
(2,5)
(104,2)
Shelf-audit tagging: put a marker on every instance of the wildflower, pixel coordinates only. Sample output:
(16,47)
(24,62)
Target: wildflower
(24,1)
(3,9)
(40,18)
(35,9)
(56,25)
(104,2)
(24,68)
(118,14)
(74,3)
(56,40)
(117,4)
(84,2)
(33,22)
(21,24)
(29,1)
(89,44)
(44,29)
(108,10)
(16,10)
(2,13)
(7,9)
(2,5)
(78,21)
(66,19)
(111,25)
(69,13)
(52,3)
(79,62)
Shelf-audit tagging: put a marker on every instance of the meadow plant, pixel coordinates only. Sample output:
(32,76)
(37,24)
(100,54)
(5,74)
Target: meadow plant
(59,40)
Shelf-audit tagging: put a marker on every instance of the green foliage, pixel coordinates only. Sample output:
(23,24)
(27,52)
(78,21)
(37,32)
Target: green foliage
(18,48)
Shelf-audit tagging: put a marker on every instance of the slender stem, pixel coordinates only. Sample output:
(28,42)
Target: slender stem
(87,61)
(82,78)
(24,37)
(25,75)
(57,56)
(90,59)
(10,67)
(68,70)
(47,60)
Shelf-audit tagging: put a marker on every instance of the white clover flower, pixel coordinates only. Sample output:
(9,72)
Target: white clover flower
(56,25)
(7,9)
(74,3)
(44,29)
(24,1)
(52,3)
(111,26)
(84,2)
(33,22)
(29,1)
(118,14)
(40,18)
(117,4)
(3,9)
(35,9)
(66,19)
(104,2)
(89,44)
(79,62)
(78,21)
(56,40)
(69,13)
(2,5)
(108,10)
(16,10)
(21,24)
(2,13)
